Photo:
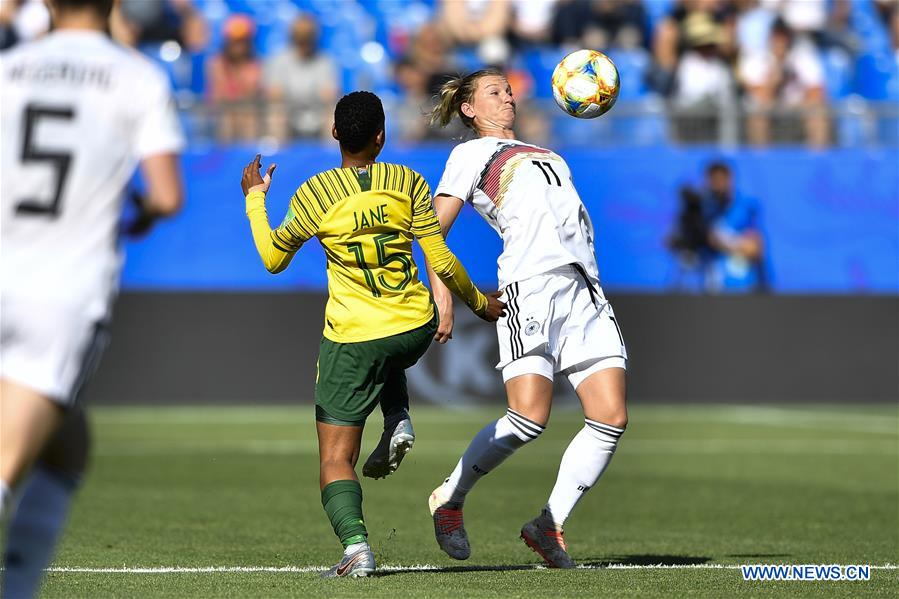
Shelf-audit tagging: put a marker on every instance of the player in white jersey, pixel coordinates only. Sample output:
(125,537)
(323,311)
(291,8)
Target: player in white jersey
(558,319)
(79,113)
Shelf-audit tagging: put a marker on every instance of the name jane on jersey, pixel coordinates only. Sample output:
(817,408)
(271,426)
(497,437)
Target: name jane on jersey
(97,75)
(371,217)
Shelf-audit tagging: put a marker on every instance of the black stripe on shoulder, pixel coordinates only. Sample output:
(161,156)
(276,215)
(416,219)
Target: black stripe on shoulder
(338,176)
(403,176)
(316,197)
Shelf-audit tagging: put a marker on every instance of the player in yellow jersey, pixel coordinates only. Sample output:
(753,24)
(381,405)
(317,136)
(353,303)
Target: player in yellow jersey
(380,318)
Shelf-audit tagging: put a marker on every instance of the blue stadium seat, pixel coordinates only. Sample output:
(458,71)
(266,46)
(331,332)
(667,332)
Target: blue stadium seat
(872,76)
(657,9)
(541,62)
(632,66)
(180,70)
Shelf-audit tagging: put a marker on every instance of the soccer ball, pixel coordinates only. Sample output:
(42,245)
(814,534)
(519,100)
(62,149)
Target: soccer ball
(585,84)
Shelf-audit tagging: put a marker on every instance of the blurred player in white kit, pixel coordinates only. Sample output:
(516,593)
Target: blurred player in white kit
(79,113)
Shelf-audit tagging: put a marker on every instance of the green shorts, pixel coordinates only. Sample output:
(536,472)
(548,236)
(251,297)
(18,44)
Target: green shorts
(353,378)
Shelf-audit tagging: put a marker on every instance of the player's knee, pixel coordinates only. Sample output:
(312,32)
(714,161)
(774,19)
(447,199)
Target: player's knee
(614,423)
(618,420)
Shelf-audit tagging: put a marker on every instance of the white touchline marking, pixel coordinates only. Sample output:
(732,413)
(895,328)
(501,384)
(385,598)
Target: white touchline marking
(389,568)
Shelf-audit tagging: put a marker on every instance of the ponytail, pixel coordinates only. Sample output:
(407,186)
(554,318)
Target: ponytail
(454,93)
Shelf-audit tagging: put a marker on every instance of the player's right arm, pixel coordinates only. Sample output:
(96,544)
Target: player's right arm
(158,140)
(254,187)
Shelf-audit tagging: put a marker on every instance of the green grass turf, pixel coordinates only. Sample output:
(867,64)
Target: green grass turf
(228,486)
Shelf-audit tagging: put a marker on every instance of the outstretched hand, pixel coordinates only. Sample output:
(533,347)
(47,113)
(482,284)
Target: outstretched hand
(252,180)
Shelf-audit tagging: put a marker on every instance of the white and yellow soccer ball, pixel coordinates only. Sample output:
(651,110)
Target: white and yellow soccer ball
(585,84)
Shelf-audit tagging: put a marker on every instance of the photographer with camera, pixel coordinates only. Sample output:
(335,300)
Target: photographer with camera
(718,238)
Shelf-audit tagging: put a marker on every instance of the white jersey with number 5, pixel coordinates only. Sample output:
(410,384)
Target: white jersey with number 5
(526,194)
(78,113)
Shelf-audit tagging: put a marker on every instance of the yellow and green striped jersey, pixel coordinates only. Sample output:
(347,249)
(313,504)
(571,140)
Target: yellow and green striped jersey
(366,218)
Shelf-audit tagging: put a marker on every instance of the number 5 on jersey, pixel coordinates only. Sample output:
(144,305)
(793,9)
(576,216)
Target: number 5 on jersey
(31,153)
(384,258)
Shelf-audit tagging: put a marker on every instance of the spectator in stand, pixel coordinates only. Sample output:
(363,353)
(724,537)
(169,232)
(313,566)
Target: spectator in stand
(234,79)
(600,24)
(482,24)
(719,237)
(825,22)
(802,16)
(669,40)
(410,116)
(137,22)
(886,9)
(703,85)
(429,52)
(753,26)
(788,75)
(302,85)
(22,21)
(532,21)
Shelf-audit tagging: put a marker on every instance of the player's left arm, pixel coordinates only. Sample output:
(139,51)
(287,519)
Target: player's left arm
(158,141)
(254,187)
(162,175)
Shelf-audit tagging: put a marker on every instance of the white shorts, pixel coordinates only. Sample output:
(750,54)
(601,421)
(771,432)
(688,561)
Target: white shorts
(50,348)
(558,322)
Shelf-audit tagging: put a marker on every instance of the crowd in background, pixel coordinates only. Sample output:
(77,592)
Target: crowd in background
(781,63)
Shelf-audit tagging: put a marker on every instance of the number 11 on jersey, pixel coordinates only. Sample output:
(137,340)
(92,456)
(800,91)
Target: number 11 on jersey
(546,168)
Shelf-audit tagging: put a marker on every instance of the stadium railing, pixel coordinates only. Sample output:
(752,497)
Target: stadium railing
(853,123)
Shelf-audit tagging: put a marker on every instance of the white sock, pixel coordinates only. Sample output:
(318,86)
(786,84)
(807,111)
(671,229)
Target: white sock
(583,463)
(33,531)
(354,547)
(5,499)
(493,444)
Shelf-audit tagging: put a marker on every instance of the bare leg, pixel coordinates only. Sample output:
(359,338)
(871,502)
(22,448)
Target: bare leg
(531,395)
(603,396)
(46,495)
(27,421)
(338,450)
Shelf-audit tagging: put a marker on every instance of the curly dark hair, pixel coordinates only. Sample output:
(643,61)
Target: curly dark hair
(358,117)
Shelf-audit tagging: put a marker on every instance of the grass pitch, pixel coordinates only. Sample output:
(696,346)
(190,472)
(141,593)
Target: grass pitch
(698,489)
